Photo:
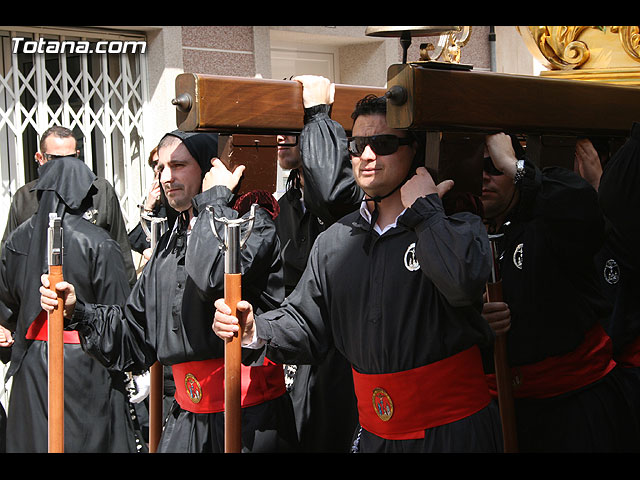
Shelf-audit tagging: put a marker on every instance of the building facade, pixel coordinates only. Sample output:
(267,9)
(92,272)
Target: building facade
(113,86)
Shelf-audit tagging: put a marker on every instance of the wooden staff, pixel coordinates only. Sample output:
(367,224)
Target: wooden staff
(503,372)
(55,350)
(157,226)
(232,244)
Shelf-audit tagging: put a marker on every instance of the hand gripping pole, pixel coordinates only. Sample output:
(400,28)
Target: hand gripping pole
(232,242)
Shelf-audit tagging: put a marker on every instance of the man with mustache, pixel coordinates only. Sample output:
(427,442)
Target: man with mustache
(167,316)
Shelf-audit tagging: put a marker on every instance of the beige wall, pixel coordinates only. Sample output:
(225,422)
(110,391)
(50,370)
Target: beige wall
(246,50)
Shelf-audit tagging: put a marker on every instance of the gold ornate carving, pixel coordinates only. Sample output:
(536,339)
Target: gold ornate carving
(559,46)
(448,47)
(576,47)
(630,40)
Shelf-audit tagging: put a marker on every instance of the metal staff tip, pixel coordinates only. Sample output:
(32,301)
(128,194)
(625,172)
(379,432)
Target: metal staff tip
(231,242)
(54,239)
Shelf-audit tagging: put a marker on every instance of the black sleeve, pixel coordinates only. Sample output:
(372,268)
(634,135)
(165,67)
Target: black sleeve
(115,334)
(330,191)
(9,302)
(566,206)
(298,332)
(138,239)
(110,218)
(260,262)
(453,251)
(619,193)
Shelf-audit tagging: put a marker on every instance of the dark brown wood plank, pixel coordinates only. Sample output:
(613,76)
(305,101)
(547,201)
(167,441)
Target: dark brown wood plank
(489,102)
(254,105)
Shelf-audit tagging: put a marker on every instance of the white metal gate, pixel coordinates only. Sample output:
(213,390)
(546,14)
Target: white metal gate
(99,96)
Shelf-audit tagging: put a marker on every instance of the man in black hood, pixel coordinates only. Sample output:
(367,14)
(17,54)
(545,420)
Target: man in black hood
(103,210)
(97,408)
(167,316)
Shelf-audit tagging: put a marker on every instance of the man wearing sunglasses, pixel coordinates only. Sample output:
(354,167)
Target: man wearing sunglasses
(105,211)
(569,393)
(396,287)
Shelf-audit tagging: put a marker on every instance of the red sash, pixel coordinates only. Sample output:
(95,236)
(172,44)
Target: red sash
(402,405)
(200,385)
(553,376)
(39,330)
(630,356)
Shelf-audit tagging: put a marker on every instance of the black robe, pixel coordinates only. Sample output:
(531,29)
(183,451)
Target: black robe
(103,210)
(618,262)
(322,395)
(551,286)
(97,408)
(413,300)
(168,317)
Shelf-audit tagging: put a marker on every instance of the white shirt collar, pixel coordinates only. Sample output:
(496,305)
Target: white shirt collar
(366,214)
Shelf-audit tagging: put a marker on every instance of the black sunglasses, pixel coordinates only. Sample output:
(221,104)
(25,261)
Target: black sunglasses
(289,144)
(380,144)
(489,168)
(53,156)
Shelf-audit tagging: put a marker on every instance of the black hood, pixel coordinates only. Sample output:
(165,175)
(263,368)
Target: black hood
(202,146)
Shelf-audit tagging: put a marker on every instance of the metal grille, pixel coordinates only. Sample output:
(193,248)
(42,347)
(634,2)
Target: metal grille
(99,96)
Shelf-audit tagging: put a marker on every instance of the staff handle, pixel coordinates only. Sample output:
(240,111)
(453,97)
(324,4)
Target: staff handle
(232,241)
(157,226)
(503,379)
(56,367)
(232,370)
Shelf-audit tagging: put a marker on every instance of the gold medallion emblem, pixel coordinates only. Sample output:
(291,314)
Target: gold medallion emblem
(382,404)
(192,386)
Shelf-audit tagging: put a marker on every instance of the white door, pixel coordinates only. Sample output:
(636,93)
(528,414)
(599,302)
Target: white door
(289,59)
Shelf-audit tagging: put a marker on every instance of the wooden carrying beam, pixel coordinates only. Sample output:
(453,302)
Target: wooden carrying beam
(438,99)
(457,108)
(253,105)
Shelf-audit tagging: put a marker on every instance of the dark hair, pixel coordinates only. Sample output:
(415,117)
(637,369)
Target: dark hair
(151,161)
(56,131)
(370,105)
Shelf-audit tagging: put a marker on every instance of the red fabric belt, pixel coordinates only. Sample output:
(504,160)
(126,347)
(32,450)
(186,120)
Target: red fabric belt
(630,356)
(200,384)
(399,406)
(39,330)
(553,376)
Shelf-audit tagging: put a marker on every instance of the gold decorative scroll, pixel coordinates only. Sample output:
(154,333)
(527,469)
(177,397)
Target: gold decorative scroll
(574,47)
(448,47)
(608,54)
(630,40)
(559,47)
